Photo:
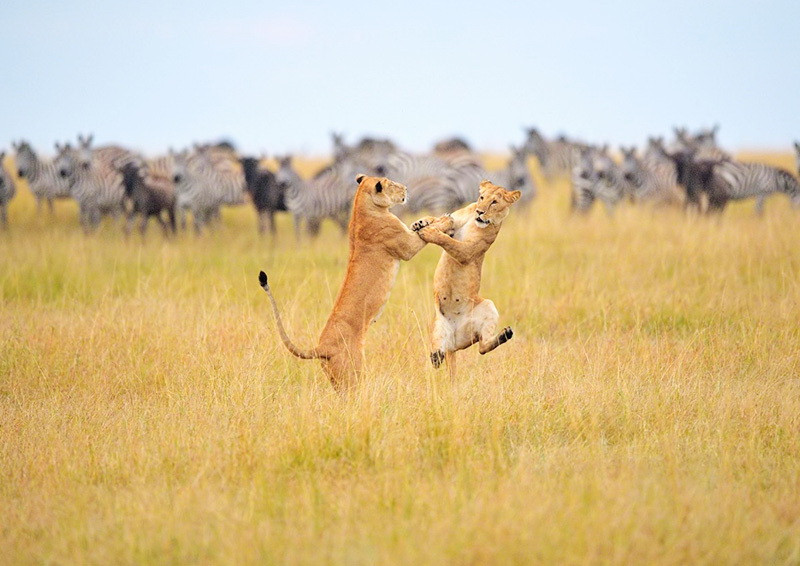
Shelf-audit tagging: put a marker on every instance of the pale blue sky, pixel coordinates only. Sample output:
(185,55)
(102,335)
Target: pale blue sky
(280,76)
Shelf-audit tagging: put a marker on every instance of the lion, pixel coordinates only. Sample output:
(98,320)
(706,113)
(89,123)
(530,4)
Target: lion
(378,241)
(463,317)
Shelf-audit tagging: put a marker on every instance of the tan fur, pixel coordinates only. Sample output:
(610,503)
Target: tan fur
(378,241)
(463,317)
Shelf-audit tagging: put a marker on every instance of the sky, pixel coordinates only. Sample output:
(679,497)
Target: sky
(280,76)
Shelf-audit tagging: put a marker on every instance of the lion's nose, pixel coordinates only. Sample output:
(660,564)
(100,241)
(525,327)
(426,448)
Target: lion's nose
(480,212)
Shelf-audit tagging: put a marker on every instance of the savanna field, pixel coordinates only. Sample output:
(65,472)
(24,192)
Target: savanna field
(647,409)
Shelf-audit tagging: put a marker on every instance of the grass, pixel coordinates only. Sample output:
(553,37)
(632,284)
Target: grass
(646,411)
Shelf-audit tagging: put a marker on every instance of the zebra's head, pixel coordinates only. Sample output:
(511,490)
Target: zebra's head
(631,167)
(286,177)
(340,149)
(519,176)
(83,153)
(66,161)
(535,144)
(707,137)
(25,158)
(180,162)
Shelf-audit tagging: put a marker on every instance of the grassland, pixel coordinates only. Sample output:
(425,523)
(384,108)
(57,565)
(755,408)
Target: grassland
(646,411)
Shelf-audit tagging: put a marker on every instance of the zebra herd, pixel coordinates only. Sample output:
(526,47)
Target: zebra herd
(690,171)
(112,181)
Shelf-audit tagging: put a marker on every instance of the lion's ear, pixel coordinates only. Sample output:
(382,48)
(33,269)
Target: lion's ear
(378,187)
(360,178)
(513,196)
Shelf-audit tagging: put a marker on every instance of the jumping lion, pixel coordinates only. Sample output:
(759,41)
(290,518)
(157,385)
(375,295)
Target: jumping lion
(378,241)
(463,317)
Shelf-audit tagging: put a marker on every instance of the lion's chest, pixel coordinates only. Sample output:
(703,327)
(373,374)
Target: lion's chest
(384,297)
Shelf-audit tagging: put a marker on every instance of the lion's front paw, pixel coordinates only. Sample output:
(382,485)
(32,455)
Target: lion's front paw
(443,223)
(422,223)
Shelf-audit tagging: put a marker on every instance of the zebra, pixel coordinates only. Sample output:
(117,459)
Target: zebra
(596,176)
(7,190)
(94,184)
(371,152)
(266,195)
(433,183)
(150,194)
(204,181)
(557,157)
(653,181)
(516,176)
(42,176)
(328,194)
(746,180)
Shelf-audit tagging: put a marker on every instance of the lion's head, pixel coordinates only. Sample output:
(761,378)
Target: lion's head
(381,191)
(493,204)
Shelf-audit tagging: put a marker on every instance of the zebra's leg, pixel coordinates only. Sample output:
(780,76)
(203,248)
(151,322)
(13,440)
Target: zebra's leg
(129,223)
(171,216)
(143,225)
(50,206)
(716,204)
(273,229)
(199,217)
(261,216)
(297,222)
(3,215)
(343,221)
(760,205)
(313,226)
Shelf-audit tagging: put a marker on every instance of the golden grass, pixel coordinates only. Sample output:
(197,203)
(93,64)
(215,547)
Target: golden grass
(646,411)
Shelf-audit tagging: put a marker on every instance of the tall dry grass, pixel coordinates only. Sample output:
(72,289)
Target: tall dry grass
(646,411)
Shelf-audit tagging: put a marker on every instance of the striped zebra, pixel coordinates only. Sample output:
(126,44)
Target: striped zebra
(7,190)
(94,183)
(747,180)
(42,176)
(516,176)
(556,157)
(433,184)
(328,194)
(650,181)
(205,180)
(371,152)
(596,177)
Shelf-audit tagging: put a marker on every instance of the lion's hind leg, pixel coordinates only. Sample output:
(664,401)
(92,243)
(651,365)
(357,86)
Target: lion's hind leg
(486,317)
(442,339)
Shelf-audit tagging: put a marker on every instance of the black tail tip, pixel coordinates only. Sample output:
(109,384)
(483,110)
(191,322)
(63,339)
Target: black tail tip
(262,278)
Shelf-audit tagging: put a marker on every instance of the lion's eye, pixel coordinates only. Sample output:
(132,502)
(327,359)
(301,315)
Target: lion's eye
(494,202)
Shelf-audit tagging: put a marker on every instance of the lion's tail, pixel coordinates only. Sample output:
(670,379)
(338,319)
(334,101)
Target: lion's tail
(303,354)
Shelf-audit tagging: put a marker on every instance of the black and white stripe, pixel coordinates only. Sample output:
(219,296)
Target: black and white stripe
(433,183)
(7,190)
(557,158)
(748,180)
(328,194)
(651,181)
(94,184)
(206,180)
(596,177)
(42,176)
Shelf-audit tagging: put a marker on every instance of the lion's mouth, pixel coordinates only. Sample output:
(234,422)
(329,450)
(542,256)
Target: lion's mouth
(481,222)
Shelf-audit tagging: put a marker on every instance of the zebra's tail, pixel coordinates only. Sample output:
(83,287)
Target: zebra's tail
(303,354)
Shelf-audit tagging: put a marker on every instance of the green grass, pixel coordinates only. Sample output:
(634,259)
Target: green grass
(647,409)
